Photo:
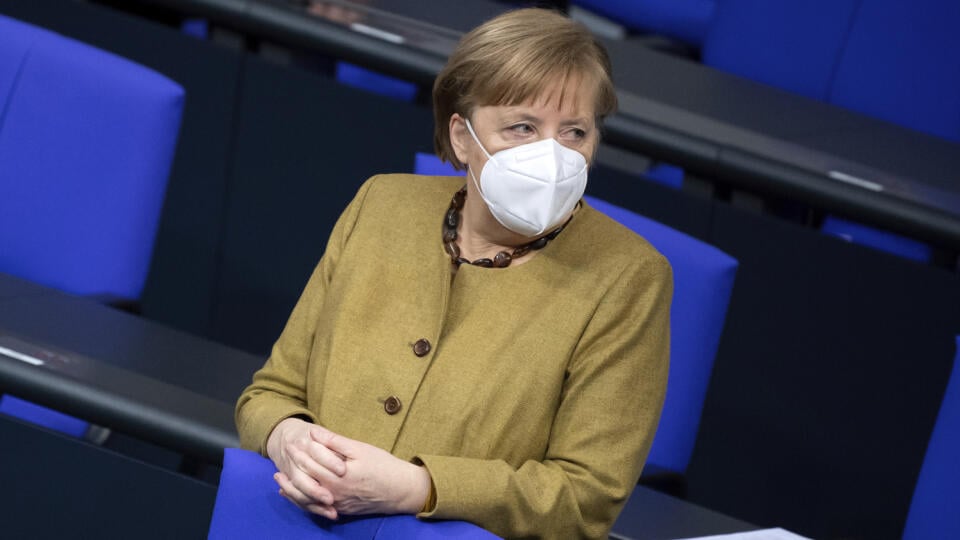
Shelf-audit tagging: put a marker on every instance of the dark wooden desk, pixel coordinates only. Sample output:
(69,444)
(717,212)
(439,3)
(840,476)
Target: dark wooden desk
(121,371)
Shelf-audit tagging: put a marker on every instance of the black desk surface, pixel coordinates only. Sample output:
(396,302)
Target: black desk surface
(716,125)
(12,287)
(97,493)
(651,515)
(123,372)
(58,487)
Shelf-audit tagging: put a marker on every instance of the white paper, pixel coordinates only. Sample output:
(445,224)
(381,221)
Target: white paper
(763,534)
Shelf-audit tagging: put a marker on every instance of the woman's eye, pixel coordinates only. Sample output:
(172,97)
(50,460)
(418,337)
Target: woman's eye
(522,129)
(577,134)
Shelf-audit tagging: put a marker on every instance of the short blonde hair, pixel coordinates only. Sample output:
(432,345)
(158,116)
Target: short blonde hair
(513,58)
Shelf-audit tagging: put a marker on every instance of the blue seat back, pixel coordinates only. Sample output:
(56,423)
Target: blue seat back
(790,44)
(665,174)
(431,165)
(371,81)
(249,505)
(86,144)
(896,244)
(43,416)
(683,20)
(901,63)
(933,511)
(889,59)
(703,282)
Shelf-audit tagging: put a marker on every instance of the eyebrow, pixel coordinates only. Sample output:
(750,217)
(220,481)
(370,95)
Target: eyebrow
(527,117)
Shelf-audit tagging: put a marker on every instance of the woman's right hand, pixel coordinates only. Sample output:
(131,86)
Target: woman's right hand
(294,448)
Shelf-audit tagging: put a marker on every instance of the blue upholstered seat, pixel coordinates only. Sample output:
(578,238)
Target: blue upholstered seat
(933,511)
(42,416)
(852,231)
(683,20)
(790,44)
(371,81)
(889,59)
(703,282)
(86,143)
(901,63)
(249,505)
(665,174)
(431,165)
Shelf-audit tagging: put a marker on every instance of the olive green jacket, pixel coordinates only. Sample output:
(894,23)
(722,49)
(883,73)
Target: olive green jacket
(537,401)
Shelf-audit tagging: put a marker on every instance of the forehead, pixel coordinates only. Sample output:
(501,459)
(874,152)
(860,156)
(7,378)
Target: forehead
(568,94)
(574,95)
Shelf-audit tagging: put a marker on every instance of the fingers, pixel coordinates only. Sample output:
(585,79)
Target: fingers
(320,502)
(316,462)
(326,458)
(326,511)
(342,446)
(303,489)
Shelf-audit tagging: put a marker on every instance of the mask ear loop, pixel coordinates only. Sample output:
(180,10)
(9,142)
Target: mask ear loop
(484,150)
(474,135)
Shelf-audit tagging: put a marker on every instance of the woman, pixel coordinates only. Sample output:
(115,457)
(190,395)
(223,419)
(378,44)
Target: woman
(507,368)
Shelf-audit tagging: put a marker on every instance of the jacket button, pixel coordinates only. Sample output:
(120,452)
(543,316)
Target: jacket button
(421,347)
(392,405)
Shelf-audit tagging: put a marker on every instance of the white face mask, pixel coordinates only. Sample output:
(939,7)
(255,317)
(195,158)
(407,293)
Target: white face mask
(530,188)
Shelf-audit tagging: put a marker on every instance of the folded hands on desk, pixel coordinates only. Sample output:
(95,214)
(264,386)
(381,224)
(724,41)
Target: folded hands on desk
(330,475)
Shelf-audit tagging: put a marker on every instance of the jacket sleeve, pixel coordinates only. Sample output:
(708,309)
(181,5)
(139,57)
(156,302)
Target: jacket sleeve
(278,390)
(602,429)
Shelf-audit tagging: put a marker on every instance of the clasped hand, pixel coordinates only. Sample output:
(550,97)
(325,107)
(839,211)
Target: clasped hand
(329,474)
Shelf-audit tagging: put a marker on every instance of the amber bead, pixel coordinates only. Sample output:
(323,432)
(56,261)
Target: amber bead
(449,235)
(459,198)
(554,233)
(539,243)
(453,218)
(502,260)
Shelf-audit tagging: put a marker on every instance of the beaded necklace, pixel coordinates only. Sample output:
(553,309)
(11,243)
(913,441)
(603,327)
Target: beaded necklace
(502,259)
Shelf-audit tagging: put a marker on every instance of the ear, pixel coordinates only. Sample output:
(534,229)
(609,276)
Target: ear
(459,137)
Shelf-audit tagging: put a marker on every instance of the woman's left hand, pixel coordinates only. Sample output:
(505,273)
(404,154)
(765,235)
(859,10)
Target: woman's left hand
(376,482)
